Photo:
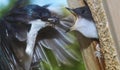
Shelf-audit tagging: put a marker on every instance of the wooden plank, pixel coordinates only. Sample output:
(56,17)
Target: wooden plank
(113,14)
(107,44)
(87,48)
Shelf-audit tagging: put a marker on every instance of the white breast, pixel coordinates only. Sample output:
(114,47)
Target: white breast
(86,27)
(36,25)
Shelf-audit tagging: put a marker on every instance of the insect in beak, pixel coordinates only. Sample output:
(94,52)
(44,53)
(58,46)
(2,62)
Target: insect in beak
(53,21)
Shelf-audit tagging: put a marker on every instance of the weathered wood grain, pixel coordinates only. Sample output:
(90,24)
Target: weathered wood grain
(108,47)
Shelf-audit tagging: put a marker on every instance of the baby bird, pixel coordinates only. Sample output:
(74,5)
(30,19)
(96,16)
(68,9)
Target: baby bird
(84,22)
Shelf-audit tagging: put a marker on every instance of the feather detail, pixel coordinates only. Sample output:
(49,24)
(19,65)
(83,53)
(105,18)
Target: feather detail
(8,60)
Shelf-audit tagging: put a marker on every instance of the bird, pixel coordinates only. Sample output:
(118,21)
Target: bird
(24,33)
(84,22)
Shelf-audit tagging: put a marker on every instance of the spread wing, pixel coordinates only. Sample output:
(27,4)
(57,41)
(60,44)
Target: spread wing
(56,40)
(8,60)
(13,35)
(12,45)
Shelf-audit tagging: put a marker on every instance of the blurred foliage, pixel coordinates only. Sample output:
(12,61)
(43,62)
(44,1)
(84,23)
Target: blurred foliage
(76,65)
(4,10)
(65,11)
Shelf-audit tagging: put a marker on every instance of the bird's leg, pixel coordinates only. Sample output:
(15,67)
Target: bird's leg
(98,52)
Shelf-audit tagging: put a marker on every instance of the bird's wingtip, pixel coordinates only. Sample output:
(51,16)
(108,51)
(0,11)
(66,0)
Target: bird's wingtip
(46,5)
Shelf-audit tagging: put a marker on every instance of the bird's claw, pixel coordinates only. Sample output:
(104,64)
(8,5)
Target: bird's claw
(98,52)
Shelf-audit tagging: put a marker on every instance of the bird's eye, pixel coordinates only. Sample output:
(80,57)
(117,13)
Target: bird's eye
(45,16)
(84,12)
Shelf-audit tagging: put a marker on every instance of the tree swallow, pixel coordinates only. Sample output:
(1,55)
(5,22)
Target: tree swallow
(24,31)
(84,22)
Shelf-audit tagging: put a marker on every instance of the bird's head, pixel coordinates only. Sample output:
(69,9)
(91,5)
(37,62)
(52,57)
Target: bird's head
(83,12)
(79,13)
(25,17)
(37,12)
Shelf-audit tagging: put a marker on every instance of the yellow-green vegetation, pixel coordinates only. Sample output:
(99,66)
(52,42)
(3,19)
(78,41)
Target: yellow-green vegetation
(5,9)
(75,65)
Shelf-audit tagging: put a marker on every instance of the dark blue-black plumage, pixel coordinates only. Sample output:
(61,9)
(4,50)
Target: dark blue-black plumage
(83,12)
(28,13)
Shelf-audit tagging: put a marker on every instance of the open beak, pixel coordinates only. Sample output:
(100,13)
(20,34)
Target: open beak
(75,15)
(72,11)
(72,28)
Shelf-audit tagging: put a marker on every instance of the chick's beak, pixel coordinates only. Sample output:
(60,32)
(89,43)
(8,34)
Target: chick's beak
(70,29)
(72,11)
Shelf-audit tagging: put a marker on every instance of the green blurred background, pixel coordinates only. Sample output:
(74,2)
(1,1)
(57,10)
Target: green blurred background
(58,7)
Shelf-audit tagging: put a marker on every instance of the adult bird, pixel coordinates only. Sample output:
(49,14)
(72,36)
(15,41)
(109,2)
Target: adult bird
(24,31)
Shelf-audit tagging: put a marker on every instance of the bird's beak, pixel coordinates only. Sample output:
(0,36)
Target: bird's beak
(70,29)
(53,20)
(72,11)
